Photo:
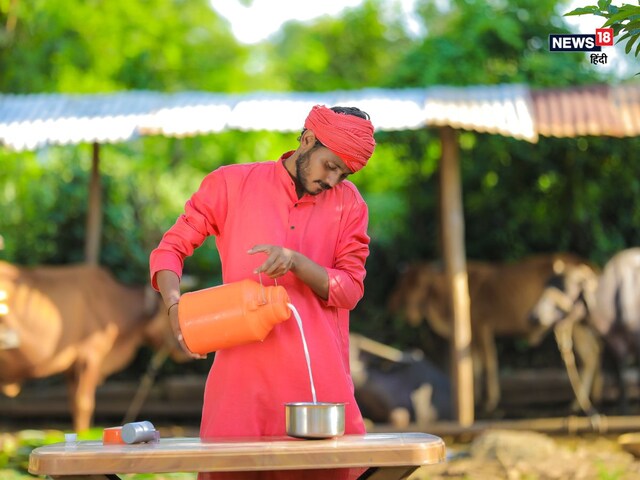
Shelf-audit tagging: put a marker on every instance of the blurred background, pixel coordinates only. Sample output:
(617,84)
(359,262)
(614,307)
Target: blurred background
(562,193)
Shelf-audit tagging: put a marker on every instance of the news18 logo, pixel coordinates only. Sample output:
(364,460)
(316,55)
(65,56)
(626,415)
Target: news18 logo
(603,37)
(559,42)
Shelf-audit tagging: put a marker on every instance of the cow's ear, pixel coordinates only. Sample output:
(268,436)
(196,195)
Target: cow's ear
(558,266)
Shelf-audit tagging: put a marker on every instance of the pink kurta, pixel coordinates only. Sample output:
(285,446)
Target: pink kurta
(250,204)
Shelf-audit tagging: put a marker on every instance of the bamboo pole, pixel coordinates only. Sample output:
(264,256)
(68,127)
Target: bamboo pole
(452,228)
(94,211)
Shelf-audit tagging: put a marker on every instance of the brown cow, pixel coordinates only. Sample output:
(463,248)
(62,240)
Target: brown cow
(501,296)
(75,320)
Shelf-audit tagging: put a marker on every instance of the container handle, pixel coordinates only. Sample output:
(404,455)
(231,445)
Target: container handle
(264,296)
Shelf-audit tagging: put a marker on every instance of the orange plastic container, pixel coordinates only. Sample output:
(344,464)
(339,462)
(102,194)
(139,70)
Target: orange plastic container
(112,435)
(229,315)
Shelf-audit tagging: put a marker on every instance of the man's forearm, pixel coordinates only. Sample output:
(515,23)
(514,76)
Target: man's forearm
(169,286)
(312,274)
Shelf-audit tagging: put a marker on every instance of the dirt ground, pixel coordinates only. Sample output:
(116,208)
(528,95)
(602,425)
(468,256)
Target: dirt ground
(525,455)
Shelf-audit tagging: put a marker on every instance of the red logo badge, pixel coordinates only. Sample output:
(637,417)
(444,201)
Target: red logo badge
(604,37)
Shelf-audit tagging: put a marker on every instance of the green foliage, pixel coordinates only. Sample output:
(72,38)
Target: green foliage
(553,196)
(474,42)
(355,51)
(81,46)
(15,449)
(145,185)
(625,21)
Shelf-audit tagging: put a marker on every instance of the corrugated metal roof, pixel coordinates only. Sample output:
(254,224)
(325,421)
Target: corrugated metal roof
(29,122)
(32,121)
(503,109)
(598,110)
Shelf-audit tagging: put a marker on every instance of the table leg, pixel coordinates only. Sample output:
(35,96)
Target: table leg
(388,473)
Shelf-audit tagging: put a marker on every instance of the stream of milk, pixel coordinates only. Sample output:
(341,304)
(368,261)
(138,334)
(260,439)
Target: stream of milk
(306,350)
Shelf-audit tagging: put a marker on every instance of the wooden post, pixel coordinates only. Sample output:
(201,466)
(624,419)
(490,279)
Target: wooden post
(452,228)
(94,211)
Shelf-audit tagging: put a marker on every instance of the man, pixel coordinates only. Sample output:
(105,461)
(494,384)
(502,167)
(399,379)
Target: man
(299,222)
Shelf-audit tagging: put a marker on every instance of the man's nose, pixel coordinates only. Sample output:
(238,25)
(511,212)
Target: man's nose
(333,179)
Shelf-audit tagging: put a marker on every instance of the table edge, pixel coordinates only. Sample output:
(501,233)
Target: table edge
(419,451)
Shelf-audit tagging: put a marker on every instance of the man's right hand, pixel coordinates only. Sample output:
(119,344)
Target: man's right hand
(169,286)
(175,327)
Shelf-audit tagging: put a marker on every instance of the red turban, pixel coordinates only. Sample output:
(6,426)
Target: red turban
(348,136)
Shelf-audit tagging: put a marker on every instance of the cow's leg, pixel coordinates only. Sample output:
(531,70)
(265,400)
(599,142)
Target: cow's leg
(421,399)
(83,381)
(588,351)
(400,418)
(636,342)
(490,360)
(478,373)
(618,349)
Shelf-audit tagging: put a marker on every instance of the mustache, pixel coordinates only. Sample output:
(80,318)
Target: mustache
(324,186)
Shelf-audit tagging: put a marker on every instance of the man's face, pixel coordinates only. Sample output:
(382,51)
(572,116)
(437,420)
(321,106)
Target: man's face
(319,169)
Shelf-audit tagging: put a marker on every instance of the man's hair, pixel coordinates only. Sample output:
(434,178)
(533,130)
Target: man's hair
(355,111)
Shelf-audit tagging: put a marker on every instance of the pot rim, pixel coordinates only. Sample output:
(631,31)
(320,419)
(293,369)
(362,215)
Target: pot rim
(314,404)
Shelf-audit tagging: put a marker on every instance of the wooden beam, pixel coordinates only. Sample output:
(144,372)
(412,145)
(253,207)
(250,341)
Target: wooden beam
(452,228)
(94,211)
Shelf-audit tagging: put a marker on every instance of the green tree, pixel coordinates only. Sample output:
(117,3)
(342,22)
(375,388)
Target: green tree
(79,46)
(473,42)
(355,50)
(470,42)
(624,20)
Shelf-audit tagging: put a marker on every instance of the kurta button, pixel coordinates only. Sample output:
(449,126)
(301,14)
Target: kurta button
(292,227)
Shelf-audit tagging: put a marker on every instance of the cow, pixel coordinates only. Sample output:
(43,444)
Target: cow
(501,296)
(608,303)
(75,320)
(397,387)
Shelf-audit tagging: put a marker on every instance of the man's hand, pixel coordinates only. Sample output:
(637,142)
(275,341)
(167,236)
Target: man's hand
(169,286)
(175,326)
(279,260)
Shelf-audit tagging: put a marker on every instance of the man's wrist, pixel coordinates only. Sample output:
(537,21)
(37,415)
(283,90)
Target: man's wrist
(171,306)
(173,299)
(295,258)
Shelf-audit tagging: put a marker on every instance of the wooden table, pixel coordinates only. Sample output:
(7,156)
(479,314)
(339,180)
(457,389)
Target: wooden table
(379,456)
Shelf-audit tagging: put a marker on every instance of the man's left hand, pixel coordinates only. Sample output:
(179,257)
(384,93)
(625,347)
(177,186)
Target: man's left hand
(279,261)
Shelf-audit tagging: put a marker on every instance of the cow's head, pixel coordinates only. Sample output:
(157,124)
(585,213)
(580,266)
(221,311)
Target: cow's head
(568,295)
(421,293)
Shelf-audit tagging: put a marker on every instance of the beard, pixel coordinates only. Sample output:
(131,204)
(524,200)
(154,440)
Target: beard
(303,174)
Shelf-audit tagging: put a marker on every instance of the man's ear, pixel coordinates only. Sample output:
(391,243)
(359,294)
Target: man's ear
(308,139)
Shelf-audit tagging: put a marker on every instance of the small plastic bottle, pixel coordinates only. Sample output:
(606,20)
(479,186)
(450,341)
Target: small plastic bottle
(137,432)
(70,440)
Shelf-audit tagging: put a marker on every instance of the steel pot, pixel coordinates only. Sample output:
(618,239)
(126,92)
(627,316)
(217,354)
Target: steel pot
(314,420)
